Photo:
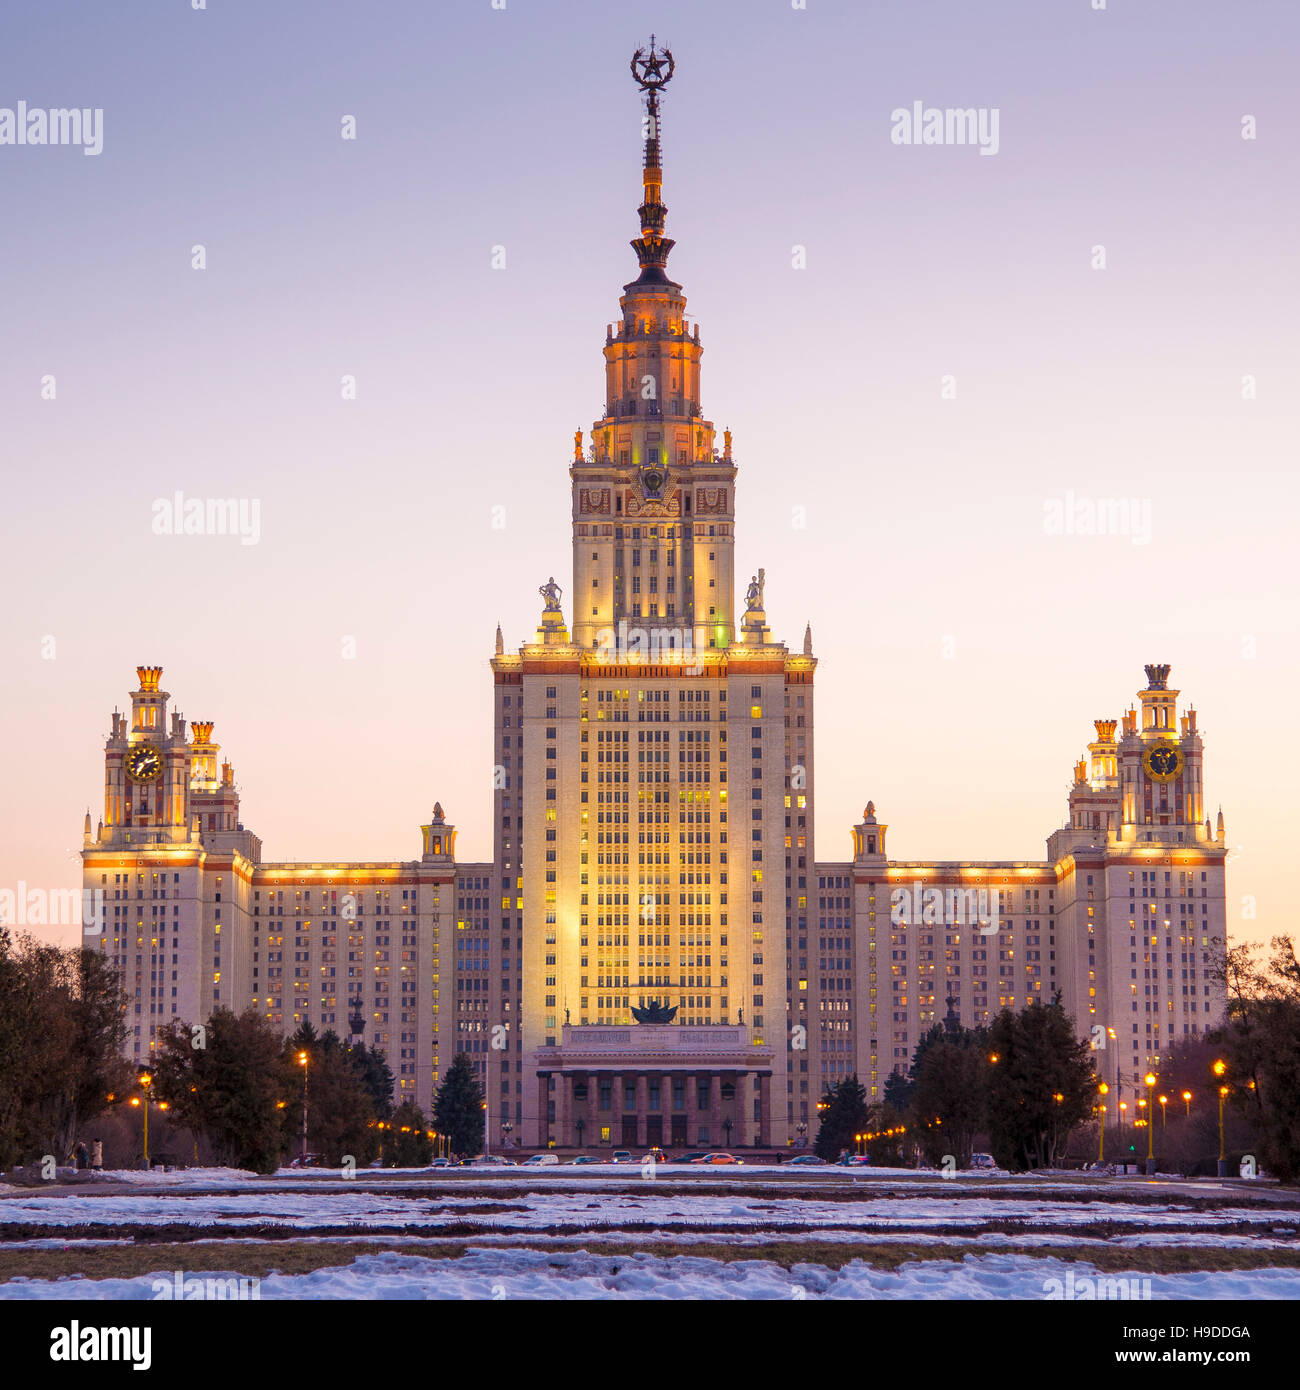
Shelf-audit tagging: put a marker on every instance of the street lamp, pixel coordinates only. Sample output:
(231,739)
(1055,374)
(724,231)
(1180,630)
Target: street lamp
(303,1063)
(1187,1101)
(1150,1080)
(1220,1069)
(1164,1100)
(801,1129)
(145,1082)
(1223,1158)
(1103,1091)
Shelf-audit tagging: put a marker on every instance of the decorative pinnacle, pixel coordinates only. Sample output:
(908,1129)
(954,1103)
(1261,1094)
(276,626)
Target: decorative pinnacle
(653,69)
(648,67)
(1157,677)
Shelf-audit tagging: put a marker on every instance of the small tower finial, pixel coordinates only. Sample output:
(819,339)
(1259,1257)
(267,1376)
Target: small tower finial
(501,643)
(653,69)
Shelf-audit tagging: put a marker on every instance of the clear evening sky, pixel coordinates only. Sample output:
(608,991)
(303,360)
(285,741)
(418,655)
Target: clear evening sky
(965,649)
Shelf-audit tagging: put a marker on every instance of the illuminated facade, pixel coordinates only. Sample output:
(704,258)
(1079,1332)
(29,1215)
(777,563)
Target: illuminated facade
(653,844)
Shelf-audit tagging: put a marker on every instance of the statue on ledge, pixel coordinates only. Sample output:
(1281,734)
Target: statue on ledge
(655,1012)
(754,594)
(551,592)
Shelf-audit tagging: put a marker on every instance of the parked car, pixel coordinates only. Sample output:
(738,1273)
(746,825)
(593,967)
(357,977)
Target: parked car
(718,1158)
(654,1155)
(586,1158)
(622,1156)
(808,1160)
(541,1160)
(440,1163)
(693,1157)
(310,1161)
(495,1161)
(982,1161)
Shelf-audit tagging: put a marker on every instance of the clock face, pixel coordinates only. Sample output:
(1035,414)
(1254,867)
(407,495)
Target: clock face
(1163,761)
(144,763)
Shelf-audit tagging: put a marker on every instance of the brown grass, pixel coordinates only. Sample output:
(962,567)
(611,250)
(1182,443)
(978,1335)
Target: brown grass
(260,1259)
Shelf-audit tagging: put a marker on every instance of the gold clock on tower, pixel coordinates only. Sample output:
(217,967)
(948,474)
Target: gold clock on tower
(1163,761)
(144,763)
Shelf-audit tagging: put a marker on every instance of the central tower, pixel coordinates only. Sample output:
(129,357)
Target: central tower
(653,499)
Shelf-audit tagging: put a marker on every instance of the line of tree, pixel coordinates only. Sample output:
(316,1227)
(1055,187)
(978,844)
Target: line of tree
(238,1083)
(1026,1081)
(1260,1045)
(62,1028)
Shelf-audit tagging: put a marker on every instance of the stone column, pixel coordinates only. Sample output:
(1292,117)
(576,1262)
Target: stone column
(715,1109)
(564,1138)
(765,1108)
(642,1106)
(741,1128)
(543,1095)
(666,1108)
(616,1110)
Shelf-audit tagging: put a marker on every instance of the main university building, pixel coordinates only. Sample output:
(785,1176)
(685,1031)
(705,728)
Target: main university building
(653,828)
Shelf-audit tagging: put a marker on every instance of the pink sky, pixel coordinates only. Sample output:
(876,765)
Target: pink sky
(924,517)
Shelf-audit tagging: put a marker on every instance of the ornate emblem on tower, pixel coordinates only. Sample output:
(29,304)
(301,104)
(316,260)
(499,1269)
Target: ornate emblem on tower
(653,69)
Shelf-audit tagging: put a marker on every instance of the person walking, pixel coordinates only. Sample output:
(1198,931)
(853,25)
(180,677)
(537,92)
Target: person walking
(97,1156)
(81,1155)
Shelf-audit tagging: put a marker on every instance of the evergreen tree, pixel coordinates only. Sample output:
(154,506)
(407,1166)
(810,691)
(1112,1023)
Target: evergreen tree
(889,1142)
(948,1101)
(62,1026)
(230,1088)
(1040,1084)
(406,1142)
(341,1114)
(898,1092)
(458,1109)
(845,1114)
(374,1073)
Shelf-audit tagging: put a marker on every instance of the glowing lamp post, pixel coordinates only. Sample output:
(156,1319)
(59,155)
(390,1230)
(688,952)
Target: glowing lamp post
(145,1082)
(1103,1090)
(1187,1101)
(1220,1070)
(1150,1081)
(303,1063)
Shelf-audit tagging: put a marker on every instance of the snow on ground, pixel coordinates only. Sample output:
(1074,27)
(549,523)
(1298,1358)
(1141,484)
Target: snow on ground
(528,1274)
(653,1204)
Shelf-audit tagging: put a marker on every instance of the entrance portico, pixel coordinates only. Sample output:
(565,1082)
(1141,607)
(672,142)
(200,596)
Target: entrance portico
(670,1085)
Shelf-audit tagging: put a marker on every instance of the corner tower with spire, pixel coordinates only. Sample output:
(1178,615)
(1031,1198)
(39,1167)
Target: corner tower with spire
(653,498)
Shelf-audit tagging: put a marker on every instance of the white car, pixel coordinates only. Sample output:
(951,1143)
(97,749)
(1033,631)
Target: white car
(540,1161)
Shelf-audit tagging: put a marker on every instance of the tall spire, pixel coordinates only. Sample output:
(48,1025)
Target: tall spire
(653,69)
